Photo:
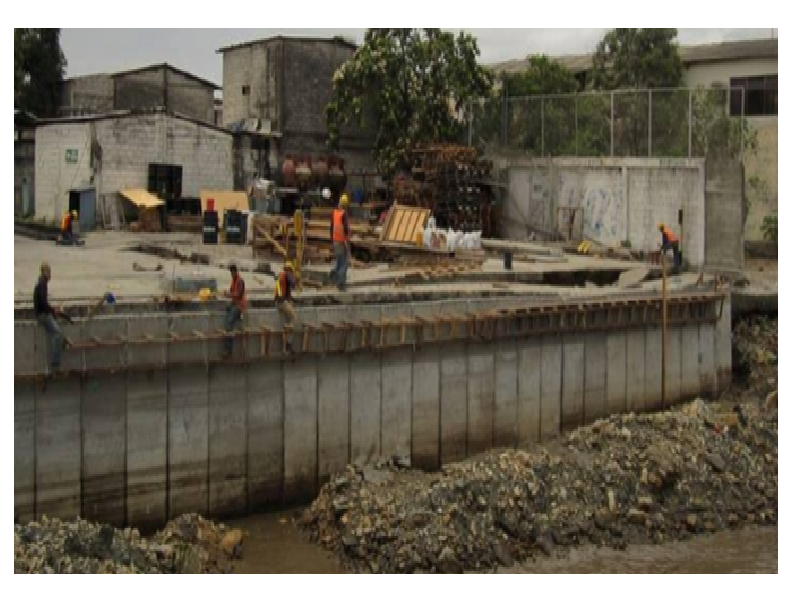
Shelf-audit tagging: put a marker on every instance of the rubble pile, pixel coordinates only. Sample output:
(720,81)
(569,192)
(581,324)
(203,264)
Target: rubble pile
(623,480)
(755,357)
(188,544)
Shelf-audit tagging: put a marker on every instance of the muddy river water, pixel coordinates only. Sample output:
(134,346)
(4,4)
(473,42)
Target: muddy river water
(275,545)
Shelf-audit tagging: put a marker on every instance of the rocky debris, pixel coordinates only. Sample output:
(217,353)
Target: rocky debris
(188,544)
(755,357)
(623,480)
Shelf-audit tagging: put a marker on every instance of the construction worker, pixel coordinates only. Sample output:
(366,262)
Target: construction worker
(46,316)
(340,237)
(66,225)
(284,283)
(236,309)
(670,241)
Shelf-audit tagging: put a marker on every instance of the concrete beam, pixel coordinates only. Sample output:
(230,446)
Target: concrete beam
(529,374)
(573,369)
(365,408)
(146,448)
(300,430)
(104,439)
(635,371)
(480,397)
(425,408)
(506,408)
(594,394)
(227,439)
(551,386)
(265,434)
(453,402)
(616,372)
(58,449)
(188,440)
(24,450)
(334,416)
(396,384)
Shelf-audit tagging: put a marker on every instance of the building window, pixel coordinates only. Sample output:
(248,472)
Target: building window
(760,95)
(245,90)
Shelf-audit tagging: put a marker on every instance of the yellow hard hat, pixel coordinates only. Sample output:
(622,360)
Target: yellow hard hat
(288,265)
(344,200)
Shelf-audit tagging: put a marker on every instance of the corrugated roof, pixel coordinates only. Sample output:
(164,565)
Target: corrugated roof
(142,198)
(333,40)
(706,53)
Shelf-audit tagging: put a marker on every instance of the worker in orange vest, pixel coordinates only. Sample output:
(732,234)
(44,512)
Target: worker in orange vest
(670,241)
(340,237)
(284,283)
(66,225)
(236,309)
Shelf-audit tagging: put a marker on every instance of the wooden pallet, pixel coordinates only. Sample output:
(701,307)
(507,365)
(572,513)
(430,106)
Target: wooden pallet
(403,222)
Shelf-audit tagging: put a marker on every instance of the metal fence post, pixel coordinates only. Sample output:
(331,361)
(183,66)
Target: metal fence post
(576,124)
(541,98)
(690,123)
(612,124)
(650,123)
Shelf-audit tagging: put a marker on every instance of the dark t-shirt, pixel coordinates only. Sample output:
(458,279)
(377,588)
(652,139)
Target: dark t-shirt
(40,303)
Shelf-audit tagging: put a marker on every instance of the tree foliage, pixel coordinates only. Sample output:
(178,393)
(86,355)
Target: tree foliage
(637,59)
(39,67)
(408,85)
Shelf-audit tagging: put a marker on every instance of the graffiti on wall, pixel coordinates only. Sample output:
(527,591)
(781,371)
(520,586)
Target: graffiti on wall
(599,194)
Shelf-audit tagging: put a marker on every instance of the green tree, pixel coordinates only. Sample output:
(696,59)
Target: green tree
(39,67)
(410,84)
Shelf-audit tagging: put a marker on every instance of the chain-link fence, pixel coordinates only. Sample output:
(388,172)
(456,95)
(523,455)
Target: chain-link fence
(678,123)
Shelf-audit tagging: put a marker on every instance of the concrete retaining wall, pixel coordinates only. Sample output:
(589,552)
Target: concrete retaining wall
(146,445)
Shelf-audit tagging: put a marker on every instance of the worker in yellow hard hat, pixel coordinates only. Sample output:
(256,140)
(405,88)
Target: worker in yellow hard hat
(284,283)
(670,241)
(340,237)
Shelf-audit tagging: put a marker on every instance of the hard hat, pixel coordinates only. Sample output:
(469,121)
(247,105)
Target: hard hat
(326,194)
(74,213)
(344,200)
(288,265)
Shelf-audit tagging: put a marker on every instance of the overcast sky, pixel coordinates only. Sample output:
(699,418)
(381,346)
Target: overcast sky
(107,50)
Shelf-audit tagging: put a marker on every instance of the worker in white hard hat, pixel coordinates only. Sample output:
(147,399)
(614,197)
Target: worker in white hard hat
(340,237)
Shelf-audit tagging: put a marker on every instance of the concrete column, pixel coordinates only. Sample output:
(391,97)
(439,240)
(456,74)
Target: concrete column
(454,402)
(707,364)
(616,372)
(722,346)
(635,371)
(425,414)
(551,386)
(573,370)
(104,438)
(227,439)
(506,407)
(529,375)
(58,449)
(690,358)
(24,451)
(265,434)
(480,397)
(300,430)
(334,415)
(594,394)
(365,408)
(146,448)
(396,383)
(652,386)
(188,440)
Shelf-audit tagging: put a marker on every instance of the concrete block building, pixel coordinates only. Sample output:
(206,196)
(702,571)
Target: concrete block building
(24,162)
(145,88)
(277,89)
(95,157)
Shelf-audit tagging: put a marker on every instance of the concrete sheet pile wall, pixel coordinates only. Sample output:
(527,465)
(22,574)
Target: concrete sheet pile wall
(144,445)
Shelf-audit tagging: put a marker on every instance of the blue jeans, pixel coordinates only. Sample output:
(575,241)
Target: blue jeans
(233,316)
(339,272)
(55,336)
